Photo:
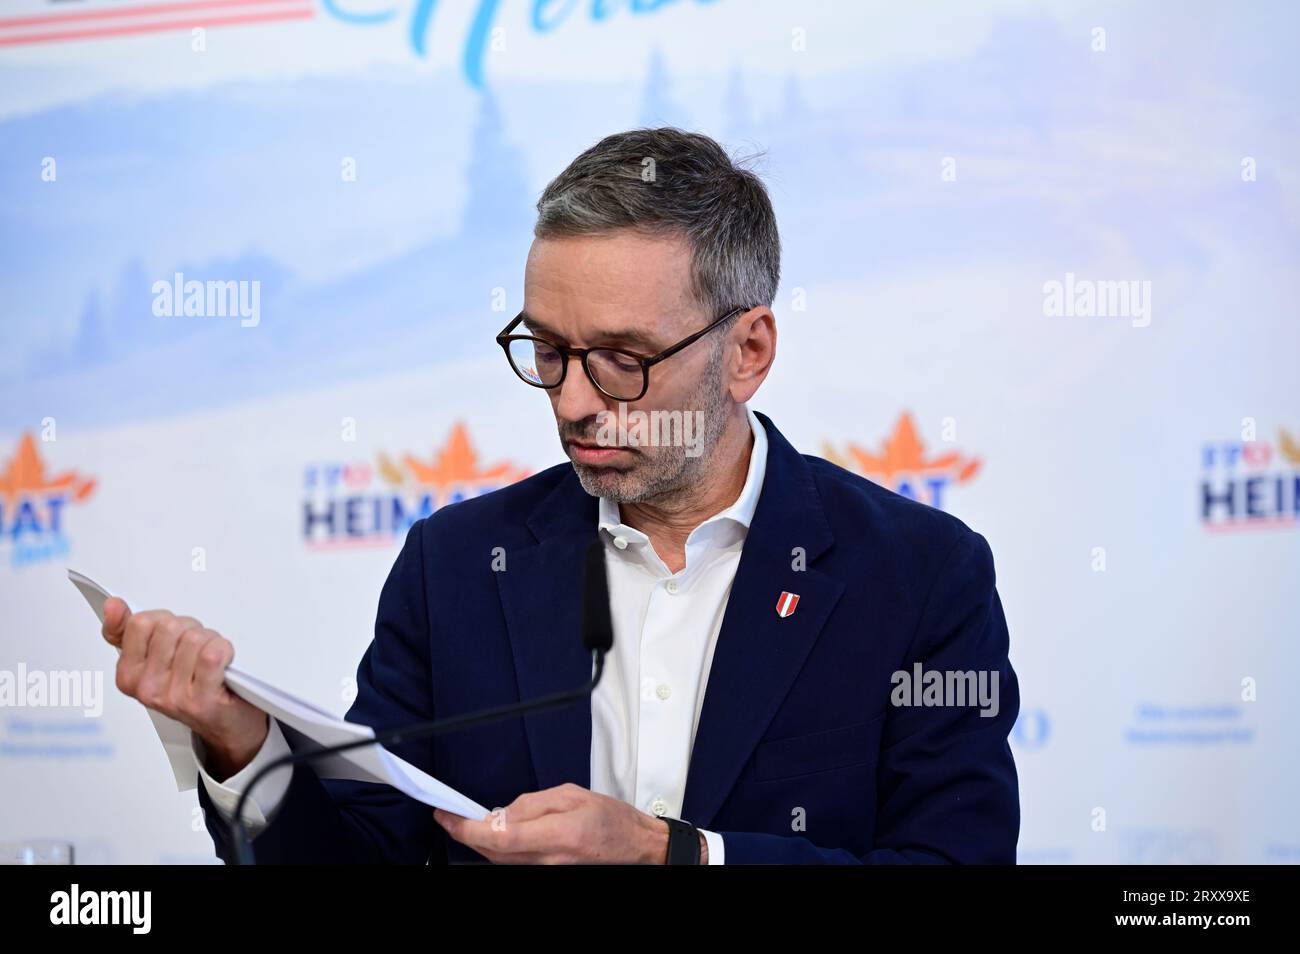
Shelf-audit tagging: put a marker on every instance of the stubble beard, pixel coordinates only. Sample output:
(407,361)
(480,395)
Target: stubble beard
(665,474)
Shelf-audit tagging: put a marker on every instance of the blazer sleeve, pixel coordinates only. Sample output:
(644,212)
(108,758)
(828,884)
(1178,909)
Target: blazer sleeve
(340,821)
(947,789)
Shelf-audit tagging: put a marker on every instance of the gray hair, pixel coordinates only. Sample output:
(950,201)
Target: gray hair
(669,181)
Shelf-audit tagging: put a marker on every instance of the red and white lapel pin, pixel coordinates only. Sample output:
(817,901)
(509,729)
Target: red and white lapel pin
(786,603)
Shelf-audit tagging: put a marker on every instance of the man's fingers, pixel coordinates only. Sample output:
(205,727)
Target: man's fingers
(137,631)
(532,805)
(210,668)
(188,646)
(517,842)
(155,678)
(116,613)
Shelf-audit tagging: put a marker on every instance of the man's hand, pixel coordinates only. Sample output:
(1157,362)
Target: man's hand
(563,825)
(173,665)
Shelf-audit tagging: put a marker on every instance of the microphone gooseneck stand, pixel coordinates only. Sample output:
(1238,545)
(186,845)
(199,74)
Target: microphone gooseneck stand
(597,637)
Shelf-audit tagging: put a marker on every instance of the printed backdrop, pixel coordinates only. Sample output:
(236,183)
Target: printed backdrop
(1039,271)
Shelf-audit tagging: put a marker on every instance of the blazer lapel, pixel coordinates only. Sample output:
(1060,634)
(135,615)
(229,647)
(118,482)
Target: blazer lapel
(759,653)
(757,656)
(541,594)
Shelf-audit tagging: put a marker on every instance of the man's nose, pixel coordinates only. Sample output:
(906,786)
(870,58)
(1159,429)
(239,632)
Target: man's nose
(578,397)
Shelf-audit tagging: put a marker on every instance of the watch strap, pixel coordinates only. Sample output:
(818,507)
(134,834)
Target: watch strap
(683,842)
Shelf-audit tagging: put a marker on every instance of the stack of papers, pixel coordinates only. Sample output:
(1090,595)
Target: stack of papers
(301,722)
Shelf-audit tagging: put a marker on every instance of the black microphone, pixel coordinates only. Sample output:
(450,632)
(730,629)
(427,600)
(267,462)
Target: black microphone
(597,624)
(597,638)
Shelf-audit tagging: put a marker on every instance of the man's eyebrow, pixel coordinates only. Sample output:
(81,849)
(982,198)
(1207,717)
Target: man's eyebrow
(535,326)
(632,336)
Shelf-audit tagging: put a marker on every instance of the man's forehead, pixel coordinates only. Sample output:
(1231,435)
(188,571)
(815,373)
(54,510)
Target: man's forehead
(624,264)
(612,284)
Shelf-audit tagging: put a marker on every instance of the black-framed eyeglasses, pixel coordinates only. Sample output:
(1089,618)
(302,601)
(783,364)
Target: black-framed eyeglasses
(616,373)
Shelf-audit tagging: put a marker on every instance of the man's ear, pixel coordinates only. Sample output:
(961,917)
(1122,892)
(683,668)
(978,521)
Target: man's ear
(752,343)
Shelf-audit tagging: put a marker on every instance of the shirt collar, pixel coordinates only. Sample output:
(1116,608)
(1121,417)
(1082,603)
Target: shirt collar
(741,512)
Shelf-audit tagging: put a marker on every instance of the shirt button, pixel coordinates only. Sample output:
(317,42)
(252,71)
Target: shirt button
(659,807)
(672,586)
(663,691)
(620,542)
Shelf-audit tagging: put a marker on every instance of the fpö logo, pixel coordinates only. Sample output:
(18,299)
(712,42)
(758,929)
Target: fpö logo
(1250,483)
(34,505)
(356,503)
(904,465)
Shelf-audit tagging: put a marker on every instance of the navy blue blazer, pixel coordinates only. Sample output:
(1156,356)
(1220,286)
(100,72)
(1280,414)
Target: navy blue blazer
(799,757)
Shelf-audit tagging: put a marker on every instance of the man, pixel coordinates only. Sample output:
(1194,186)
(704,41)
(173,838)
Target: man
(765,604)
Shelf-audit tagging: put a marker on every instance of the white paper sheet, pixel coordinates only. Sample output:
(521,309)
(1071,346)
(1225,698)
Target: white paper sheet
(299,720)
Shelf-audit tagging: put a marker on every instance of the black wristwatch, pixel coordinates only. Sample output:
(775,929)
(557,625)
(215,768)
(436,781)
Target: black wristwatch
(683,842)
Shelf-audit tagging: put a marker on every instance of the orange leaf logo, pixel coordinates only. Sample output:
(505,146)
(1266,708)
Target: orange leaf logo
(901,457)
(456,465)
(25,477)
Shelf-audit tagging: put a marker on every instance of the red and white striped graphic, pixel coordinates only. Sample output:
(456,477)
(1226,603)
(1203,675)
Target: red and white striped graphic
(786,603)
(94,19)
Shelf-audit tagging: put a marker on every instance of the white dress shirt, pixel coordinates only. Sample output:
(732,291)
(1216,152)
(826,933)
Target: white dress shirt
(646,709)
